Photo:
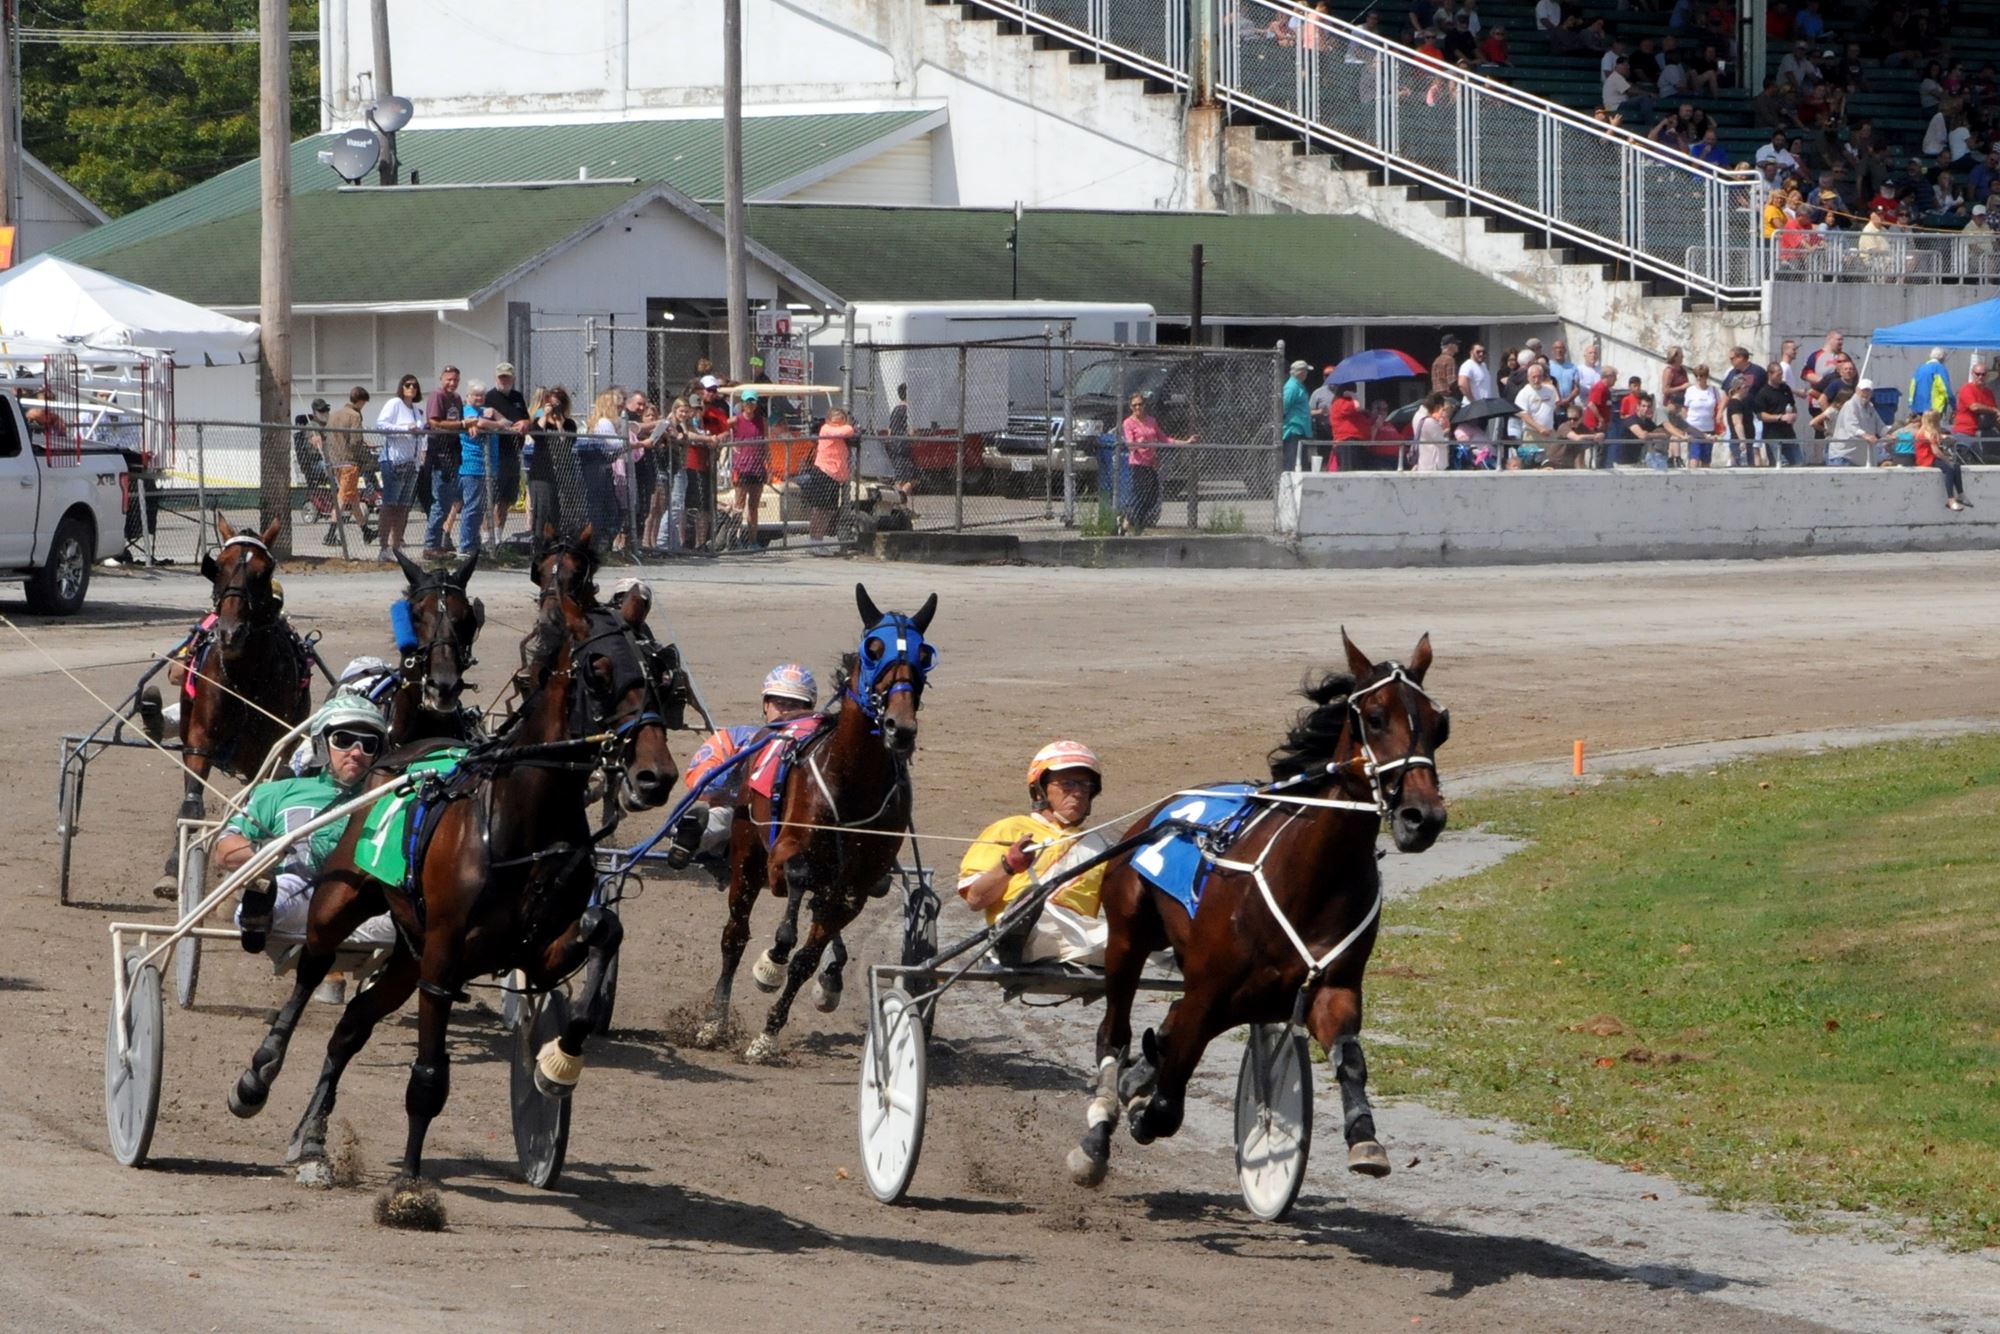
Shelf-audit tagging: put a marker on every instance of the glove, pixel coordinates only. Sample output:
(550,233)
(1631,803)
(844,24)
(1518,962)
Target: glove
(1018,858)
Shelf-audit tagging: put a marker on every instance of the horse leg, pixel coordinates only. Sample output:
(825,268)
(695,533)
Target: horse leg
(430,1074)
(193,807)
(1335,1021)
(745,884)
(769,970)
(829,984)
(392,987)
(597,935)
(1191,1024)
(1124,960)
(804,964)
(338,906)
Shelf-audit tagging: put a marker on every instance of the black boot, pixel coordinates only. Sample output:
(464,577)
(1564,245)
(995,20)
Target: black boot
(255,916)
(687,837)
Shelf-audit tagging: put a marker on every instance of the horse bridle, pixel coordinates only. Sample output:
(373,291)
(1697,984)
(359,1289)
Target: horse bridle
(616,734)
(239,584)
(901,642)
(1373,769)
(420,653)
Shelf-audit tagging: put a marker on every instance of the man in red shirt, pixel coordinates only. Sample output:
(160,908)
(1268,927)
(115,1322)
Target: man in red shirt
(1977,412)
(1350,422)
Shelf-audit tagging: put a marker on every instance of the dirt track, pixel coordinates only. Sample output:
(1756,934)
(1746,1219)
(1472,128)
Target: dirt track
(705,1192)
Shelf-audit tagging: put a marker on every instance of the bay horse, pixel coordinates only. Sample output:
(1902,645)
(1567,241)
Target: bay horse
(248,679)
(1287,915)
(503,880)
(838,818)
(436,624)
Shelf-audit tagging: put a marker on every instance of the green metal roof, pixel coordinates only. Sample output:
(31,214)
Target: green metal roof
(1289,266)
(686,154)
(377,246)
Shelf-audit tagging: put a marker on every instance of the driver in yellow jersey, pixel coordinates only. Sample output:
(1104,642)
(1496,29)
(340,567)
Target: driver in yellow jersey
(1064,780)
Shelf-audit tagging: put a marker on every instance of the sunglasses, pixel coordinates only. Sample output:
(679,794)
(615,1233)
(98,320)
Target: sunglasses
(368,743)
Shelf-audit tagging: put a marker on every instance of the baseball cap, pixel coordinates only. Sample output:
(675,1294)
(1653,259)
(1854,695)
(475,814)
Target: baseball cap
(504,368)
(749,395)
(1300,366)
(1979,210)
(756,361)
(1865,386)
(321,405)
(710,382)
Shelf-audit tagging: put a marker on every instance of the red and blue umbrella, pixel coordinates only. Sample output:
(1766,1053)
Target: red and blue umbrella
(1377,363)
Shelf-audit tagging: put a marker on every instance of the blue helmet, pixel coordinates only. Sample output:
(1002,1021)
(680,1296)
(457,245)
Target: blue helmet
(792,681)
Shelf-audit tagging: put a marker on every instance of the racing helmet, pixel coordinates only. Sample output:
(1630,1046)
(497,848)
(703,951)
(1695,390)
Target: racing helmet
(342,711)
(1064,754)
(360,672)
(791,681)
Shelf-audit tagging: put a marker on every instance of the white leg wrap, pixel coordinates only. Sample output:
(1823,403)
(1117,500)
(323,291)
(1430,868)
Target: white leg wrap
(558,1066)
(1103,1109)
(767,972)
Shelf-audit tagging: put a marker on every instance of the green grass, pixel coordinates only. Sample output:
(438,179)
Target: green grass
(1224,519)
(1779,982)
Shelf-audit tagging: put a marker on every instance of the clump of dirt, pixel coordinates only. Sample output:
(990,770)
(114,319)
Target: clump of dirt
(412,1205)
(1599,1025)
(684,1024)
(1643,1056)
(343,1155)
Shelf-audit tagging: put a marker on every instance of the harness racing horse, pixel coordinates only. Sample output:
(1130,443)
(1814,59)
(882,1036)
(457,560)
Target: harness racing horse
(1287,914)
(828,828)
(248,678)
(435,624)
(501,881)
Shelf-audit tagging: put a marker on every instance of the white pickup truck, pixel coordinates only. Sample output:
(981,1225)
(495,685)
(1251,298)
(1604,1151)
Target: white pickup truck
(58,509)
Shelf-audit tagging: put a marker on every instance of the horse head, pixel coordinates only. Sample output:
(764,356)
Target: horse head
(630,699)
(891,667)
(568,563)
(1396,729)
(242,574)
(442,624)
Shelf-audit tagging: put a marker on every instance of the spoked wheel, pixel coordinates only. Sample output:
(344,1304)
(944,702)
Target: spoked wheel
(187,950)
(69,809)
(541,1123)
(132,1080)
(603,1024)
(1273,1119)
(513,1001)
(892,1097)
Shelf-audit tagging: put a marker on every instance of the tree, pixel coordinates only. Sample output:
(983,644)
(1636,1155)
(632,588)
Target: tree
(128,125)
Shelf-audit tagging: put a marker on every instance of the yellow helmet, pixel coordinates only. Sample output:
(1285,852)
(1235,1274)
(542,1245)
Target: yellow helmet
(1063,755)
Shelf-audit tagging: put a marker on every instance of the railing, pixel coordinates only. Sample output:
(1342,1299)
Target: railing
(1506,152)
(1894,257)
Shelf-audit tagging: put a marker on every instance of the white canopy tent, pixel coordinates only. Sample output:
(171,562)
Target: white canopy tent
(52,300)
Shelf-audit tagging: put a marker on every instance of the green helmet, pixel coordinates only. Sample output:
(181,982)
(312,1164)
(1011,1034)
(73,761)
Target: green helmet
(346,711)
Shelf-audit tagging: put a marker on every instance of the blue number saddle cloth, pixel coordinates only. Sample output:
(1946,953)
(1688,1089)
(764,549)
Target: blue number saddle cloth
(1178,863)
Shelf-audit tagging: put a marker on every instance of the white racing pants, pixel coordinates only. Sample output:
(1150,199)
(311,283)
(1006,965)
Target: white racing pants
(1063,936)
(288,918)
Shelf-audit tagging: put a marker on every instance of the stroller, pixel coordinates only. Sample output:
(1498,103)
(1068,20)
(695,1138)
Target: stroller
(322,498)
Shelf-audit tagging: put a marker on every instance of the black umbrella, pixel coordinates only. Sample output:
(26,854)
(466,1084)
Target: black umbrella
(1485,409)
(1404,415)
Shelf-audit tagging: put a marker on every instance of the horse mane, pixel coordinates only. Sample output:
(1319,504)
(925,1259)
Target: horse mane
(1315,733)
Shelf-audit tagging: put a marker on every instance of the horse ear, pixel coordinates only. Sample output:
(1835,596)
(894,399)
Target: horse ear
(479,613)
(548,532)
(573,614)
(634,610)
(1420,659)
(411,570)
(1357,661)
(922,620)
(461,576)
(269,537)
(589,531)
(870,613)
(224,530)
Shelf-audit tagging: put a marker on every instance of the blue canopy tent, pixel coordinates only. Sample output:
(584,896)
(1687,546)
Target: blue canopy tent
(1975,326)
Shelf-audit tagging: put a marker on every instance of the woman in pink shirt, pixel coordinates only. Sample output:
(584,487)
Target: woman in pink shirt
(821,483)
(1143,437)
(746,462)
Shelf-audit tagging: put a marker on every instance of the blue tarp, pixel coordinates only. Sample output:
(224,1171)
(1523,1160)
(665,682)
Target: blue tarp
(1969,326)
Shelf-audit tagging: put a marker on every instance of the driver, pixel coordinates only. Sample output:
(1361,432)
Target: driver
(1064,780)
(790,693)
(347,734)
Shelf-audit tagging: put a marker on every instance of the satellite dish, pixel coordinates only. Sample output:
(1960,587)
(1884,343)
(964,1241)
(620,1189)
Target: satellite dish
(390,114)
(356,153)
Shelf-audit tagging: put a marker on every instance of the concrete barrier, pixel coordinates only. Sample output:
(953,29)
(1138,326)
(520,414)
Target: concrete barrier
(1484,518)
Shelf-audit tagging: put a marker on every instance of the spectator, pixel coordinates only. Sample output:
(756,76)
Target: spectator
(704,370)
(1809,24)
(1673,384)
(1984,174)
(402,423)
(1739,418)
(551,457)
(1646,64)
(1856,428)
(1562,373)
(1710,150)
(1948,204)
(1673,80)
(1351,423)
(1667,134)
(1777,411)
(1701,416)
(1320,406)
(1826,357)
(650,453)
(1612,56)
(1444,369)
(1434,434)
(1587,371)
(684,448)
(1637,426)
(1705,71)
(444,413)
(1778,151)
(1742,368)
(1475,379)
(749,468)
(901,445)
(597,454)
(1143,438)
(1788,361)
(1930,88)
(821,483)
(475,435)
(1771,108)
(510,405)
(1931,453)
(1548,17)
(643,493)
(1798,66)
(1977,415)
(1297,428)
(1930,387)
(1619,99)
(346,447)
(1597,413)
(1537,404)
(1493,52)
(1459,44)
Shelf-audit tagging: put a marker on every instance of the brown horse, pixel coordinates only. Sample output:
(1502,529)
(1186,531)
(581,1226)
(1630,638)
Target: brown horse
(1294,948)
(504,878)
(248,680)
(834,831)
(435,630)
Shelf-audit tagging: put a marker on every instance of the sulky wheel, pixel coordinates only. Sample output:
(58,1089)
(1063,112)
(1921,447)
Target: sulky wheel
(892,1097)
(541,1123)
(1273,1119)
(610,996)
(132,1079)
(187,950)
(69,809)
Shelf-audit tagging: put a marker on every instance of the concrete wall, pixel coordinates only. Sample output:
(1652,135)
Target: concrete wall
(1480,518)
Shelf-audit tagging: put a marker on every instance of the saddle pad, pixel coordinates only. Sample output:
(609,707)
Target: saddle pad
(768,770)
(1175,863)
(383,851)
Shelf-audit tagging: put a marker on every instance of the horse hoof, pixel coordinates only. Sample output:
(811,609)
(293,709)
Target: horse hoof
(763,1050)
(556,1071)
(767,972)
(825,999)
(248,1097)
(1085,1170)
(709,1036)
(1368,1158)
(314,1174)
(307,1144)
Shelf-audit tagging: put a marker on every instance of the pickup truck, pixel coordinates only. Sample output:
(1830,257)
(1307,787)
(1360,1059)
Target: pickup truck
(58,507)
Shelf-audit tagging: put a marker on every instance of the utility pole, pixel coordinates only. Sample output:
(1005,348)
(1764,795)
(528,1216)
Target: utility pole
(274,364)
(385,85)
(734,248)
(10,123)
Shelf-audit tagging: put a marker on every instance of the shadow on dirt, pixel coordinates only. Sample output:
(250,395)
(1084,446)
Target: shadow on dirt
(1469,1261)
(999,1061)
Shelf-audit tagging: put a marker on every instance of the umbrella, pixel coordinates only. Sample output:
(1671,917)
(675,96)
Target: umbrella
(1485,409)
(1406,414)
(1379,363)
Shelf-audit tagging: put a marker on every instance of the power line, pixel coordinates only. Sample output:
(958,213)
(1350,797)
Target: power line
(141,37)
